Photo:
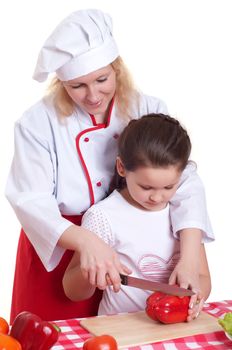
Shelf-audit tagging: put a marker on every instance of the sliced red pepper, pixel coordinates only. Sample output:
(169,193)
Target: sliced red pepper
(167,308)
(34,333)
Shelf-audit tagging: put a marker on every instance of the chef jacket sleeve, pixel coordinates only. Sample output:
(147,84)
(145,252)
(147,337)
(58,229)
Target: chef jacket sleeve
(188,206)
(150,104)
(31,191)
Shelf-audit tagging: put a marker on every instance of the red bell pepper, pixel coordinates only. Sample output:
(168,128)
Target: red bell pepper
(34,333)
(167,308)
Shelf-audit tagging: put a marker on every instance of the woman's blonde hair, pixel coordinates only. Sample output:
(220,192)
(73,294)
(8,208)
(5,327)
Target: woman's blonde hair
(125,97)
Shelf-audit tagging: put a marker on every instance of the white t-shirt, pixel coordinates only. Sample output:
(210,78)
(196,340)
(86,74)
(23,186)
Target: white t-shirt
(144,241)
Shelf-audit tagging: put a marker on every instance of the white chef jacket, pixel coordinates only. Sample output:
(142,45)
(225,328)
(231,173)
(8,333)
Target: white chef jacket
(62,166)
(144,242)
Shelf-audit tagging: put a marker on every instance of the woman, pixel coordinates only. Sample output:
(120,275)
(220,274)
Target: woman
(65,148)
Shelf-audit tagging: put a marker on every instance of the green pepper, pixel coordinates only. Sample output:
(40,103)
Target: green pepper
(226,322)
(33,333)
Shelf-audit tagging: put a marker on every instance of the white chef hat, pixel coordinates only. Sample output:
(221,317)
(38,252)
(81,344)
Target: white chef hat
(80,44)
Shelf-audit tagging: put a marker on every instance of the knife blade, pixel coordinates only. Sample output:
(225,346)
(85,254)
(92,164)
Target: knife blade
(154,286)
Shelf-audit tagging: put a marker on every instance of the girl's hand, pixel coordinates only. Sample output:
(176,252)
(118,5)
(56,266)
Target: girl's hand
(195,306)
(99,263)
(187,276)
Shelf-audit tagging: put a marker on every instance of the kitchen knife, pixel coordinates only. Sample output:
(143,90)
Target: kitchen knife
(154,286)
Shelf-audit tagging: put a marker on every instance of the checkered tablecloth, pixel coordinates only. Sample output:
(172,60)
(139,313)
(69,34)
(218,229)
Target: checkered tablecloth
(73,335)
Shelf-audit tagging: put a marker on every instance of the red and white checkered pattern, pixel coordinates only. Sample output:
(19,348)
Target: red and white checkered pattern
(73,335)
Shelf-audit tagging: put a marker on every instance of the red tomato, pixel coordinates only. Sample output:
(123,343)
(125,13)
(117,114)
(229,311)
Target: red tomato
(101,342)
(4,326)
(167,308)
(9,343)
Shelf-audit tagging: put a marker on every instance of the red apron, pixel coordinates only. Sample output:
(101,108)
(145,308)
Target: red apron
(41,292)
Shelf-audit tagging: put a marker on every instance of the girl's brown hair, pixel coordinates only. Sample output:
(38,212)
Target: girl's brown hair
(125,95)
(155,140)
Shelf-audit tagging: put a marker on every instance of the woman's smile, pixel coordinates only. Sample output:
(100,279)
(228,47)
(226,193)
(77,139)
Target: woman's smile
(94,91)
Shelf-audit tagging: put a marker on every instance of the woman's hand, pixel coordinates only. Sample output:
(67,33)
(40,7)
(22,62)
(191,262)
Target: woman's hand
(99,263)
(98,260)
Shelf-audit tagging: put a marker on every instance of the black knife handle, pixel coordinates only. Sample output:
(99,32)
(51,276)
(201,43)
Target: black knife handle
(124,280)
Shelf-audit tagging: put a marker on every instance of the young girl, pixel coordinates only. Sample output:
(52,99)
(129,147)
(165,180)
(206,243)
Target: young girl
(135,218)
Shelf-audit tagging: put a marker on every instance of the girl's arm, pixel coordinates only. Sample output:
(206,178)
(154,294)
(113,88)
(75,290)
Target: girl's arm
(76,286)
(191,225)
(205,279)
(192,270)
(195,272)
(197,301)
(186,272)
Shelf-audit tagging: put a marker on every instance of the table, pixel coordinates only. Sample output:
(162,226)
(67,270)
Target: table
(73,335)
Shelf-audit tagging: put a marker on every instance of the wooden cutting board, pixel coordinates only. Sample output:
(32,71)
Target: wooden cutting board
(132,329)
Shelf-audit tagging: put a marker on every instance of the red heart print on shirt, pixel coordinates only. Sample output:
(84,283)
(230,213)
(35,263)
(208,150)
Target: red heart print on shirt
(155,268)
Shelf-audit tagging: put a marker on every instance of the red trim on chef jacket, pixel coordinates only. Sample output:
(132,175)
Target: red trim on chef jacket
(97,126)
(41,292)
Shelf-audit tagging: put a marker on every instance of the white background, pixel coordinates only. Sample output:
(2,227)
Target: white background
(178,50)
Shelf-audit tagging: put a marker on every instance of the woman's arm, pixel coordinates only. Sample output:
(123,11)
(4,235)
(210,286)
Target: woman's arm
(92,261)
(188,207)
(31,190)
(96,259)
